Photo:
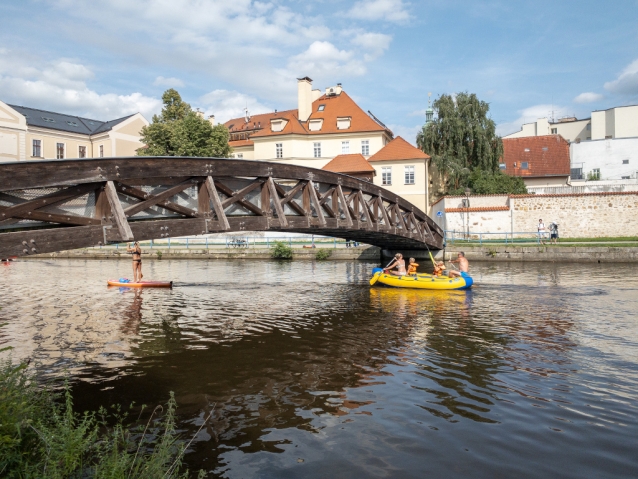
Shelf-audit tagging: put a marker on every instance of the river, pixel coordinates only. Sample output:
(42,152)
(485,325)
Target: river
(309,372)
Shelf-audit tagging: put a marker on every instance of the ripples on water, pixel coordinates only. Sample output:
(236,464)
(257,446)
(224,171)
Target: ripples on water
(309,372)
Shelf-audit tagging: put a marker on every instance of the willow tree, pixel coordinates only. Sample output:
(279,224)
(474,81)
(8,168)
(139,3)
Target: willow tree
(462,139)
(180,131)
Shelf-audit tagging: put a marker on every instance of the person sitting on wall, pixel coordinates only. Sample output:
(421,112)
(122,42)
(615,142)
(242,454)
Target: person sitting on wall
(464,266)
(439,269)
(399,264)
(412,266)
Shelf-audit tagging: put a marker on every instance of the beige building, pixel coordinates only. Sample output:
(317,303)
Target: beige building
(329,125)
(30,134)
(618,122)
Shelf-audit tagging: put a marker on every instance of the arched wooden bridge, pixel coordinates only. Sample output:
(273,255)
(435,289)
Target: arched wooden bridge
(56,205)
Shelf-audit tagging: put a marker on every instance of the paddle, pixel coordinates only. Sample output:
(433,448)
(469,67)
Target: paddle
(376,275)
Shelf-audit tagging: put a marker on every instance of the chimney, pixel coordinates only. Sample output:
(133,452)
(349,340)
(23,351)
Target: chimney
(304,97)
(199,113)
(339,89)
(316,94)
(211,119)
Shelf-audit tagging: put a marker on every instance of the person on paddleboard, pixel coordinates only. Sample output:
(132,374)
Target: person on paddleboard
(464,266)
(136,251)
(399,264)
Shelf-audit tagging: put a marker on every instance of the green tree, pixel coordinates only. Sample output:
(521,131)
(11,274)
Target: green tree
(180,131)
(462,139)
(494,182)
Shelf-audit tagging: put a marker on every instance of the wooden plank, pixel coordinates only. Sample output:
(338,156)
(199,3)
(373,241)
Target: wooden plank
(133,192)
(275,197)
(315,201)
(203,200)
(265,200)
(326,196)
(384,213)
(344,205)
(244,203)
(364,206)
(289,196)
(416,226)
(305,201)
(217,203)
(102,207)
(153,200)
(118,212)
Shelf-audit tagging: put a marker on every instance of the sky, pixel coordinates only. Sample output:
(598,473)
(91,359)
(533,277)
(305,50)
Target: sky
(528,60)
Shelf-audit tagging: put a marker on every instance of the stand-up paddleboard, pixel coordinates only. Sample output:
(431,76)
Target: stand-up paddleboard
(141,284)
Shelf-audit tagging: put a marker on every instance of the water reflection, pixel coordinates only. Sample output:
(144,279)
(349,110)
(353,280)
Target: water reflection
(305,362)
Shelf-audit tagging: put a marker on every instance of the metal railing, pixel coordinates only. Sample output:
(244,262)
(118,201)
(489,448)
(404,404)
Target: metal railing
(464,237)
(240,242)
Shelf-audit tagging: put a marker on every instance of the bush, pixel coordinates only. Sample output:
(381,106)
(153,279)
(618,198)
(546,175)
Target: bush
(323,254)
(42,436)
(488,183)
(281,250)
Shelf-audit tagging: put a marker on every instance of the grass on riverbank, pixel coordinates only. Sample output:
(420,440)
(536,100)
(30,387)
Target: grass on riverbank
(611,242)
(41,436)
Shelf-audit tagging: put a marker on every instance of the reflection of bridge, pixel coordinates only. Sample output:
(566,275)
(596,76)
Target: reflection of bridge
(56,205)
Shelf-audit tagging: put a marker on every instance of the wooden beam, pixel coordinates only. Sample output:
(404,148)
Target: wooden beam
(344,205)
(384,213)
(102,210)
(275,197)
(153,200)
(118,212)
(203,200)
(315,200)
(289,196)
(217,203)
(133,192)
(364,206)
(244,203)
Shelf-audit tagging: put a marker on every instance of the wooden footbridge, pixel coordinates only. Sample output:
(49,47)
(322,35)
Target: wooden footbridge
(56,205)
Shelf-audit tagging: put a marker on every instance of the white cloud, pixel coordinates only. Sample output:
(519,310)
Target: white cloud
(324,59)
(588,97)
(225,104)
(168,82)
(61,86)
(386,10)
(375,44)
(408,133)
(529,115)
(627,81)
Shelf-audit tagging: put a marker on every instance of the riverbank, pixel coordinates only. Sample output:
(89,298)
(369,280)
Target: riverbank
(553,254)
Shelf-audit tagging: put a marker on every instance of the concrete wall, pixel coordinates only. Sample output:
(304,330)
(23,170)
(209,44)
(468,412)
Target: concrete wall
(601,186)
(607,156)
(578,215)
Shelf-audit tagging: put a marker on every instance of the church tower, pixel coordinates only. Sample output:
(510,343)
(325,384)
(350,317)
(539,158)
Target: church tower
(429,113)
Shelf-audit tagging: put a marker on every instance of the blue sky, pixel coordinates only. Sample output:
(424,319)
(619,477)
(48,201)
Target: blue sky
(114,57)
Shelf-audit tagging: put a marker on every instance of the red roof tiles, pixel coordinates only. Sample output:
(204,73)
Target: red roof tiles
(353,163)
(477,209)
(398,149)
(541,155)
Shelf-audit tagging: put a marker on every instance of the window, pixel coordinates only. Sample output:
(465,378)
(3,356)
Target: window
(545,148)
(101,151)
(588,126)
(409,175)
(71,123)
(48,120)
(526,150)
(625,162)
(37,148)
(317,150)
(502,166)
(576,173)
(345,147)
(386,175)
(81,151)
(608,137)
(240,156)
(321,108)
(624,178)
(365,147)
(554,131)
(59,148)
(524,165)
(279,150)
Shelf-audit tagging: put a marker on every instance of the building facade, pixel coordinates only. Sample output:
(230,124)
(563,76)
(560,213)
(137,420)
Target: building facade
(329,126)
(618,122)
(539,160)
(604,160)
(32,134)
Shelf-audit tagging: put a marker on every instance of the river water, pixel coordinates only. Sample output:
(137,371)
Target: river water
(309,372)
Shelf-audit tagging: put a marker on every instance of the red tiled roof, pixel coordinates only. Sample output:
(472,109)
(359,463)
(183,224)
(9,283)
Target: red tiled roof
(477,209)
(353,163)
(398,149)
(545,156)
(338,106)
(239,143)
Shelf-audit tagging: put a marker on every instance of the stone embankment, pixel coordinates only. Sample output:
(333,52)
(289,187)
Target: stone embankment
(563,254)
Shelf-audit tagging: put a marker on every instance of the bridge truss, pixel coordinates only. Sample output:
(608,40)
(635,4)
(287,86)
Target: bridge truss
(55,205)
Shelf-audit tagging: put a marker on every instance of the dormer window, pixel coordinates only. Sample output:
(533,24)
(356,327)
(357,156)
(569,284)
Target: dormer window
(315,125)
(321,108)
(278,124)
(343,123)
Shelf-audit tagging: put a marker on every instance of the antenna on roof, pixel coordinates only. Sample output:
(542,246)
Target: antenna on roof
(247,115)
(376,119)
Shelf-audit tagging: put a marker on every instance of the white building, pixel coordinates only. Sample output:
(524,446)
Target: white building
(610,159)
(618,122)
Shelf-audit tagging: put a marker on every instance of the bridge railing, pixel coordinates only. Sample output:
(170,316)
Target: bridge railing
(453,237)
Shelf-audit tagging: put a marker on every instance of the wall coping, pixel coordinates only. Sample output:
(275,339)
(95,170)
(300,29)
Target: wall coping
(543,195)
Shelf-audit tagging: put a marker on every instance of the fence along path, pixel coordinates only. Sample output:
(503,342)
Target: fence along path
(55,205)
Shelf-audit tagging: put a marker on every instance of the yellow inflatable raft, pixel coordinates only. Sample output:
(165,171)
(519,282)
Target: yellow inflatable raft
(421,281)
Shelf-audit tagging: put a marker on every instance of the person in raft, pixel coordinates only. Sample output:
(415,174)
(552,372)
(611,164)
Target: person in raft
(412,266)
(439,268)
(399,264)
(464,266)
(136,251)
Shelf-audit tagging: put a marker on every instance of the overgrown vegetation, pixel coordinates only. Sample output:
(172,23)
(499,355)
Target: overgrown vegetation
(281,250)
(41,436)
(465,148)
(323,254)
(180,131)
